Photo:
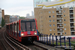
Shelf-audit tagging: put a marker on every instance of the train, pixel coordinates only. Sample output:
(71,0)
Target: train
(23,30)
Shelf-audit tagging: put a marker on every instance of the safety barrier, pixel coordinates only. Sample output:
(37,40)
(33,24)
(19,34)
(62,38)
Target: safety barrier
(57,41)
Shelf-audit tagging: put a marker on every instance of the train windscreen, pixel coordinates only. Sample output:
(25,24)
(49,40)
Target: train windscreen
(28,25)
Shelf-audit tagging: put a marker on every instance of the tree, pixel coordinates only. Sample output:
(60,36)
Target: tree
(2,22)
(21,17)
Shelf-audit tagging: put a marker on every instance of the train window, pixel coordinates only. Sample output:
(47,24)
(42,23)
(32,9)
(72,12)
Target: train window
(12,27)
(22,27)
(33,26)
(17,27)
(28,26)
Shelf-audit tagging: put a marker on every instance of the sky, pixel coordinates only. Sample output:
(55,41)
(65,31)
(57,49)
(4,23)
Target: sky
(17,7)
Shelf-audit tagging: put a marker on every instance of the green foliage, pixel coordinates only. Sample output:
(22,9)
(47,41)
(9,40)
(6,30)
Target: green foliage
(21,17)
(2,22)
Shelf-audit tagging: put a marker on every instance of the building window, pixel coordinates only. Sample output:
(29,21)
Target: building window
(60,15)
(59,11)
(49,20)
(65,32)
(53,24)
(49,16)
(53,20)
(53,15)
(49,12)
(65,24)
(64,15)
(64,11)
(54,29)
(50,29)
(65,28)
(64,19)
(50,25)
(53,11)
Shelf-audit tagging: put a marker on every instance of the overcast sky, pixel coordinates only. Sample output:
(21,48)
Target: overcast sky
(17,7)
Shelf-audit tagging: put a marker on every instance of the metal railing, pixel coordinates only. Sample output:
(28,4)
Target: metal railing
(56,41)
(59,13)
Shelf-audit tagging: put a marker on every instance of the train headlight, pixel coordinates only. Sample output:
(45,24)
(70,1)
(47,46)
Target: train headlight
(22,34)
(35,33)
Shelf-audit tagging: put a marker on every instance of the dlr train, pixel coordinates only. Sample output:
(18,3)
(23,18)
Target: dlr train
(23,30)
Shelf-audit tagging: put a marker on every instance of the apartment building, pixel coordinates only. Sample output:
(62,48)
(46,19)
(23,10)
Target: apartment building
(56,20)
(6,18)
(13,18)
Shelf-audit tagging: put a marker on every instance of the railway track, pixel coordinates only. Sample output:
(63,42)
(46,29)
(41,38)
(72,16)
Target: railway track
(29,47)
(9,43)
(17,44)
(35,47)
(4,45)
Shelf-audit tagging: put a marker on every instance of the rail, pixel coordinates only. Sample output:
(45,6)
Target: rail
(8,42)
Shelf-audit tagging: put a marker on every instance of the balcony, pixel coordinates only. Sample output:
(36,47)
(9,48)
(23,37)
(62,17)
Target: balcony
(60,31)
(72,33)
(59,18)
(71,8)
(60,27)
(72,26)
(59,13)
(58,9)
(71,17)
(72,21)
(72,30)
(71,12)
(59,23)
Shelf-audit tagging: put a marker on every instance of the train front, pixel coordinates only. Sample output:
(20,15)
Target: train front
(29,31)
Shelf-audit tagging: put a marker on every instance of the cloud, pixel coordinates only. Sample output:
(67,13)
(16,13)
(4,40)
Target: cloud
(17,7)
(22,11)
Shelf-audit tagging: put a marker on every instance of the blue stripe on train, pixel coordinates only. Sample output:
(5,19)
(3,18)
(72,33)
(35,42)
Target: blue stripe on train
(19,33)
(37,33)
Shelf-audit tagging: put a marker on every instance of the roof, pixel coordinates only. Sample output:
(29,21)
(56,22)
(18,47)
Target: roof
(50,4)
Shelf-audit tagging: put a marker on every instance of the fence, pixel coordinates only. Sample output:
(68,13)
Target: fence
(53,40)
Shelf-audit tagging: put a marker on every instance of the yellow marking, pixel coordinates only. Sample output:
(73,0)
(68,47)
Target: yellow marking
(56,4)
(60,0)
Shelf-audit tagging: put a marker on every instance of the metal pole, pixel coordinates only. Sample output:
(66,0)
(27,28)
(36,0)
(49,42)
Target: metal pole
(60,40)
(56,41)
(70,43)
(40,37)
(44,38)
(64,42)
(50,39)
(47,39)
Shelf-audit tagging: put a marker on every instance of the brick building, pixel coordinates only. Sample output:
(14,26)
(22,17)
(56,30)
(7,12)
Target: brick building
(56,20)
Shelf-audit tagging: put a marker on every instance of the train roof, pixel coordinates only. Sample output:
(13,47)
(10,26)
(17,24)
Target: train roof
(18,21)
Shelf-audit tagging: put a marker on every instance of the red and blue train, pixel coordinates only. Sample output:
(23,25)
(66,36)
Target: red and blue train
(23,30)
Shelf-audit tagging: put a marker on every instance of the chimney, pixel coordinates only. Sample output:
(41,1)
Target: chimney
(3,14)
